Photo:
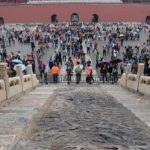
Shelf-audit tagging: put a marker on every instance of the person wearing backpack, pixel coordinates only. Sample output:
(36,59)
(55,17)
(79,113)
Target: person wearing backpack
(78,70)
(69,71)
(51,62)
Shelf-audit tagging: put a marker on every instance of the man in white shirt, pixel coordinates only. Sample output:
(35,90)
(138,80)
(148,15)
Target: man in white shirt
(78,70)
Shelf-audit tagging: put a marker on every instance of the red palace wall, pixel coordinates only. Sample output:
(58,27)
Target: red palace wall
(43,13)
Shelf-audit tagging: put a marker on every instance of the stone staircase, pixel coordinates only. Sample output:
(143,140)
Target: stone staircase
(71,1)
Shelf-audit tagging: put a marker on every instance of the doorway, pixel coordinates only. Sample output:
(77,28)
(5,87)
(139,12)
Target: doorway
(74,17)
(54,18)
(95,18)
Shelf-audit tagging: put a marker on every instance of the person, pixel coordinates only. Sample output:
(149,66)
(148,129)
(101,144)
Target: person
(71,61)
(88,71)
(83,61)
(41,68)
(32,45)
(69,71)
(77,60)
(121,68)
(39,47)
(68,48)
(110,68)
(56,57)
(115,73)
(95,46)
(97,59)
(55,71)
(60,58)
(64,53)
(104,72)
(88,48)
(51,62)
(104,50)
(78,70)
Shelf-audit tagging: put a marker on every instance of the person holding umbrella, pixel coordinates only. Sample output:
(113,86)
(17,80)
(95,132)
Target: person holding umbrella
(23,67)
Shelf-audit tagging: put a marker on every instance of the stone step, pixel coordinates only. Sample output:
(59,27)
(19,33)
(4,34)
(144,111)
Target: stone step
(71,1)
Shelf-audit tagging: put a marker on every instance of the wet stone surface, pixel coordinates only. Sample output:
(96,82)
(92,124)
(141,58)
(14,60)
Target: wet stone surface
(86,119)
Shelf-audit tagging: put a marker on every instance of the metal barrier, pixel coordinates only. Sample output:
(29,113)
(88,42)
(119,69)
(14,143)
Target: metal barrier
(109,78)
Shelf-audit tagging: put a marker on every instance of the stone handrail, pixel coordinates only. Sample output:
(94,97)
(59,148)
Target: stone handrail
(144,85)
(145,80)
(2,85)
(132,82)
(15,87)
(137,82)
(12,87)
(27,78)
(2,90)
(14,81)
(132,77)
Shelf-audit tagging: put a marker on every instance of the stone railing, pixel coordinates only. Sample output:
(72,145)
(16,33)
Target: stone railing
(144,85)
(15,87)
(2,90)
(12,87)
(137,82)
(27,83)
(132,81)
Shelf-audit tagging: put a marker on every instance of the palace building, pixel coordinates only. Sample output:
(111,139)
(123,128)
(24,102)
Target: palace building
(47,11)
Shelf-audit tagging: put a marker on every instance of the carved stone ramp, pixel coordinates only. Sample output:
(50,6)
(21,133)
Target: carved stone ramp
(79,117)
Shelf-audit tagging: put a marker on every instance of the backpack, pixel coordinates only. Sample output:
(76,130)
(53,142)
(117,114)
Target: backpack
(104,48)
(78,70)
(149,62)
(42,67)
(50,64)
(69,68)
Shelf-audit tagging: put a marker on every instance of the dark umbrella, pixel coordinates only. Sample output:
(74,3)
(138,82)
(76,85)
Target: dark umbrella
(102,63)
(116,61)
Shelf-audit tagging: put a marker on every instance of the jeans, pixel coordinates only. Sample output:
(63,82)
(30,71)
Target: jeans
(42,73)
(78,78)
(69,77)
(104,77)
(55,78)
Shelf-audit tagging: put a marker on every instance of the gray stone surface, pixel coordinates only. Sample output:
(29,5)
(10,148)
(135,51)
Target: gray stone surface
(84,117)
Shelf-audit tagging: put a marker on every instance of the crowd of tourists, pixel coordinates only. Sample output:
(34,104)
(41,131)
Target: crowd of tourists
(75,42)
